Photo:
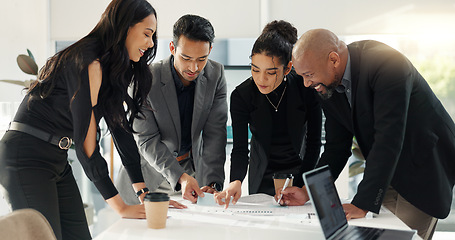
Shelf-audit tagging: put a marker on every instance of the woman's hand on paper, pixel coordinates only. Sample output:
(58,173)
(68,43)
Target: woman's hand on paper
(124,210)
(176,204)
(234,191)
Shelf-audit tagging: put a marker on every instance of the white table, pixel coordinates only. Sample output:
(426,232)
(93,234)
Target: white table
(201,223)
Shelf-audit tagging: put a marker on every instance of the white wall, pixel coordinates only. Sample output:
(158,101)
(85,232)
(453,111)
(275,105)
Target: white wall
(24,24)
(37,24)
(357,17)
(71,25)
(220,13)
(245,19)
(73,19)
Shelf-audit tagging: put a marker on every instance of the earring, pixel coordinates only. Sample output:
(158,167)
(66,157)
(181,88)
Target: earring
(284,78)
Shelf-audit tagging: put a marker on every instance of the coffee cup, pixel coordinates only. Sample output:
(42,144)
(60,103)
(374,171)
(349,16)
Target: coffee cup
(156,206)
(280,178)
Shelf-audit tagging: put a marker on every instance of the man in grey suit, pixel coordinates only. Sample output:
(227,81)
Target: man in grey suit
(182,137)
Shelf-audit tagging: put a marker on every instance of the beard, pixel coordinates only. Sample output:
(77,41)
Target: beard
(330,89)
(328,92)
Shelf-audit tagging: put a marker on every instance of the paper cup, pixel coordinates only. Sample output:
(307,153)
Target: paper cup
(280,178)
(156,206)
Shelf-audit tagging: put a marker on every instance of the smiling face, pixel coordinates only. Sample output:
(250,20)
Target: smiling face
(267,72)
(139,37)
(190,57)
(319,73)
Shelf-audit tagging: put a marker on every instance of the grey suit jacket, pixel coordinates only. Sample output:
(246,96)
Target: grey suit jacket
(158,134)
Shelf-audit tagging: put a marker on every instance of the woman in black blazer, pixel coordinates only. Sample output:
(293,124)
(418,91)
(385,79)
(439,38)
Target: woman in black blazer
(284,117)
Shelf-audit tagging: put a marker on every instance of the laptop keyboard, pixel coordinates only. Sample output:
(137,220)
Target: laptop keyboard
(362,233)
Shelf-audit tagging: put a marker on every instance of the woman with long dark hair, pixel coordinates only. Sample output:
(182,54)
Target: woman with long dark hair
(284,118)
(77,87)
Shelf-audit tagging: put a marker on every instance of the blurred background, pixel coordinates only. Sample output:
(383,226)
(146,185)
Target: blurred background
(422,30)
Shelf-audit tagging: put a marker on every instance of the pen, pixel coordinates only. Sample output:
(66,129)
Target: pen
(284,187)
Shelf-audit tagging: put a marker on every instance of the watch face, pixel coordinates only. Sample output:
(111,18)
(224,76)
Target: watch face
(217,187)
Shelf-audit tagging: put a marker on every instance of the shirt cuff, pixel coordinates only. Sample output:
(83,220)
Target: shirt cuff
(174,179)
(106,188)
(135,173)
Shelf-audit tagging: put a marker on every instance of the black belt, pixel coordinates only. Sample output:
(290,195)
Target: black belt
(62,142)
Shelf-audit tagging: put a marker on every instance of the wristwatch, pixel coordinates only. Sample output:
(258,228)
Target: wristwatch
(216,186)
(140,192)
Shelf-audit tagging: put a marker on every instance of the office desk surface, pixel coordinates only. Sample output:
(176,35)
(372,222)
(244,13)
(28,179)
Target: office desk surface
(201,223)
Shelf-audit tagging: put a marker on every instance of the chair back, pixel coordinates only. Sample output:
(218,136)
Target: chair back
(25,224)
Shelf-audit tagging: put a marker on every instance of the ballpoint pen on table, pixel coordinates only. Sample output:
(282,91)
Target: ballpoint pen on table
(284,187)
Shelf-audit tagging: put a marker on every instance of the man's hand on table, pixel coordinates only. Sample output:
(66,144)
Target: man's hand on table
(209,189)
(190,188)
(292,196)
(352,211)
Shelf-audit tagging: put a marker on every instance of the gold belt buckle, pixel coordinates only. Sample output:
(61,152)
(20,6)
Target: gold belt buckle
(69,142)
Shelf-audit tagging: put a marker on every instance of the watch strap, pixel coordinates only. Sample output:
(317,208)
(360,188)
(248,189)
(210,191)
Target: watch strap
(216,186)
(140,192)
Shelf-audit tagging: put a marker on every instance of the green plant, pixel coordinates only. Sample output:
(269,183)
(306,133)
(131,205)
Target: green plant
(439,71)
(28,65)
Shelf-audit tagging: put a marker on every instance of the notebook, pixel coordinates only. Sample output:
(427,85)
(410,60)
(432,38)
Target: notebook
(329,210)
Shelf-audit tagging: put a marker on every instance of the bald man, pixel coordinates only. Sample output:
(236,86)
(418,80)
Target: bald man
(372,92)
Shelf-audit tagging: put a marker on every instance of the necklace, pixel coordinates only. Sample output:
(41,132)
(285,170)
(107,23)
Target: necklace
(281,98)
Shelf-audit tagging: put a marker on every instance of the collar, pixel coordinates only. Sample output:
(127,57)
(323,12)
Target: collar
(346,81)
(178,83)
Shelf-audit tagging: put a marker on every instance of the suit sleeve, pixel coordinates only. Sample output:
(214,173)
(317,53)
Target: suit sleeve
(214,136)
(152,148)
(313,135)
(240,120)
(391,87)
(337,147)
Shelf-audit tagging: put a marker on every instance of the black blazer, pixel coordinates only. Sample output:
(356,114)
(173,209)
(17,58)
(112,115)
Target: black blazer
(250,108)
(404,132)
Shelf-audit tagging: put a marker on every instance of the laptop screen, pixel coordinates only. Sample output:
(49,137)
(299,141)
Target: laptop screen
(323,194)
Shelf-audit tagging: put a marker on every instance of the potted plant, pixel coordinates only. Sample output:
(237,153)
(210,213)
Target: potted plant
(28,65)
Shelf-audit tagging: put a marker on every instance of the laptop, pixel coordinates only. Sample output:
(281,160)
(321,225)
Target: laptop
(329,210)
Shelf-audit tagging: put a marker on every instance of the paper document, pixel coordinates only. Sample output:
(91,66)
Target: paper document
(260,210)
(207,200)
(255,204)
